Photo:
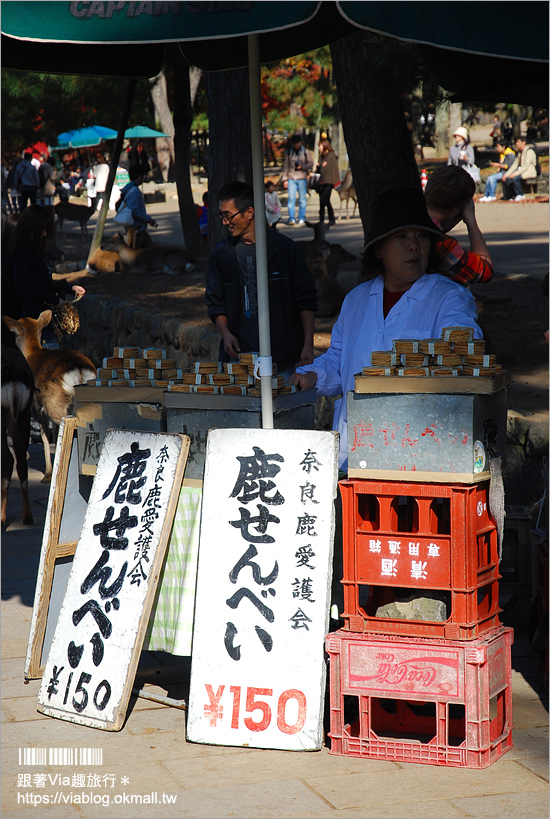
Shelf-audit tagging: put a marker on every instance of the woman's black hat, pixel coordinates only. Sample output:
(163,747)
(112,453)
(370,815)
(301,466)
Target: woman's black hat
(399,208)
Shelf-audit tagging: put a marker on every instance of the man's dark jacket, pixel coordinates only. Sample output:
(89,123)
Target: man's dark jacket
(291,289)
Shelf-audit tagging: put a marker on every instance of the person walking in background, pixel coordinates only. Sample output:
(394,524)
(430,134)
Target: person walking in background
(523,167)
(505,160)
(13,190)
(132,197)
(101,175)
(202,216)
(461,153)
(272,205)
(26,181)
(297,163)
(330,176)
(46,177)
(496,133)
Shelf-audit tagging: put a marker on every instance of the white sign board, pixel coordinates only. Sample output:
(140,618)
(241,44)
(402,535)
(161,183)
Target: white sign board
(95,649)
(263,589)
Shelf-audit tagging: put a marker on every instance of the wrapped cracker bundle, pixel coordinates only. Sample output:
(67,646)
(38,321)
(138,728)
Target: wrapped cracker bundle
(406,345)
(435,346)
(178,387)
(445,371)
(378,371)
(153,352)
(233,389)
(457,334)
(468,369)
(413,371)
(384,358)
(221,379)
(475,347)
(113,363)
(449,360)
(235,368)
(207,367)
(481,360)
(415,360)
(126,352)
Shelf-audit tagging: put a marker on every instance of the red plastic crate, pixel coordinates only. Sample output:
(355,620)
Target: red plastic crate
(436,702)
(415,536)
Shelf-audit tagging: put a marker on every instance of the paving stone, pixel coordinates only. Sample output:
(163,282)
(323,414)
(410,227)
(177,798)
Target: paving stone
(536,764)
(505,806)
(529,742)
(505,776)
(14,648)
(529,713)
(23,709)
(255,765)
(430,809)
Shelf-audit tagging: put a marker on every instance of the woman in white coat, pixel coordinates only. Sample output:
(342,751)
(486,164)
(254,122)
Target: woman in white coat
(405,298)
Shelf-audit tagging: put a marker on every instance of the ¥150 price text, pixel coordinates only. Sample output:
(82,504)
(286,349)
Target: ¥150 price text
(255,708)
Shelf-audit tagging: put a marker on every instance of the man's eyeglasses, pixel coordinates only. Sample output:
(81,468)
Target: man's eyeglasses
(227,218)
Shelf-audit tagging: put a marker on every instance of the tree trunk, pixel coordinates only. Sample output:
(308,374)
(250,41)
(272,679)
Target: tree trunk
(163,116)
(378,142)
(195,75)
(229,156)
(442,129)
(183,116)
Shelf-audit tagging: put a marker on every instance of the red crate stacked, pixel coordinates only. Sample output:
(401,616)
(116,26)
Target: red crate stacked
(434,537)
(437,702)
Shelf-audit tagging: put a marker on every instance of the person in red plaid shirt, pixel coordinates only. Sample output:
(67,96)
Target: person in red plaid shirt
(449,199)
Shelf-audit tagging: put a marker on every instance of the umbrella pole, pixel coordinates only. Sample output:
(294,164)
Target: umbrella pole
(265,364)
(102,216)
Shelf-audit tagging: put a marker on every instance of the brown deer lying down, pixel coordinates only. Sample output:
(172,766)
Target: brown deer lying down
(17,393)
(155,259)
(56,373)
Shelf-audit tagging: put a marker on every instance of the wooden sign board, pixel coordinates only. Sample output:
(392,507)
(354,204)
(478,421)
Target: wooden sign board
(93,658)
(263,589)
(67,501)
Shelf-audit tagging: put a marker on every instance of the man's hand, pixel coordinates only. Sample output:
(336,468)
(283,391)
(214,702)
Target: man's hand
(304,381)
(231,344)
(285,183)
(306,356)
(153,223)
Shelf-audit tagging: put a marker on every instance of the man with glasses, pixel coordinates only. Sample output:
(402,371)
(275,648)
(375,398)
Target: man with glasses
(231,286)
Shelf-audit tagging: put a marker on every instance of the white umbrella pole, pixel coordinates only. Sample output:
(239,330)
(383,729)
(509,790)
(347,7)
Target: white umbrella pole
(265,364)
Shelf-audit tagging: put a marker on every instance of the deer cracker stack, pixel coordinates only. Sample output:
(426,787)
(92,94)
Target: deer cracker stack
(134,367)
(455,354)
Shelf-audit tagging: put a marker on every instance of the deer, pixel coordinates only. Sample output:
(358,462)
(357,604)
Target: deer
(330,291)
(68,211)
(17,395)
(55,372)
(346,191)
(155,259)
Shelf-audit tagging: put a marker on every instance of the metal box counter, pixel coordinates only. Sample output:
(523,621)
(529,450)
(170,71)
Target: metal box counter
(423,428)
(195,414)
